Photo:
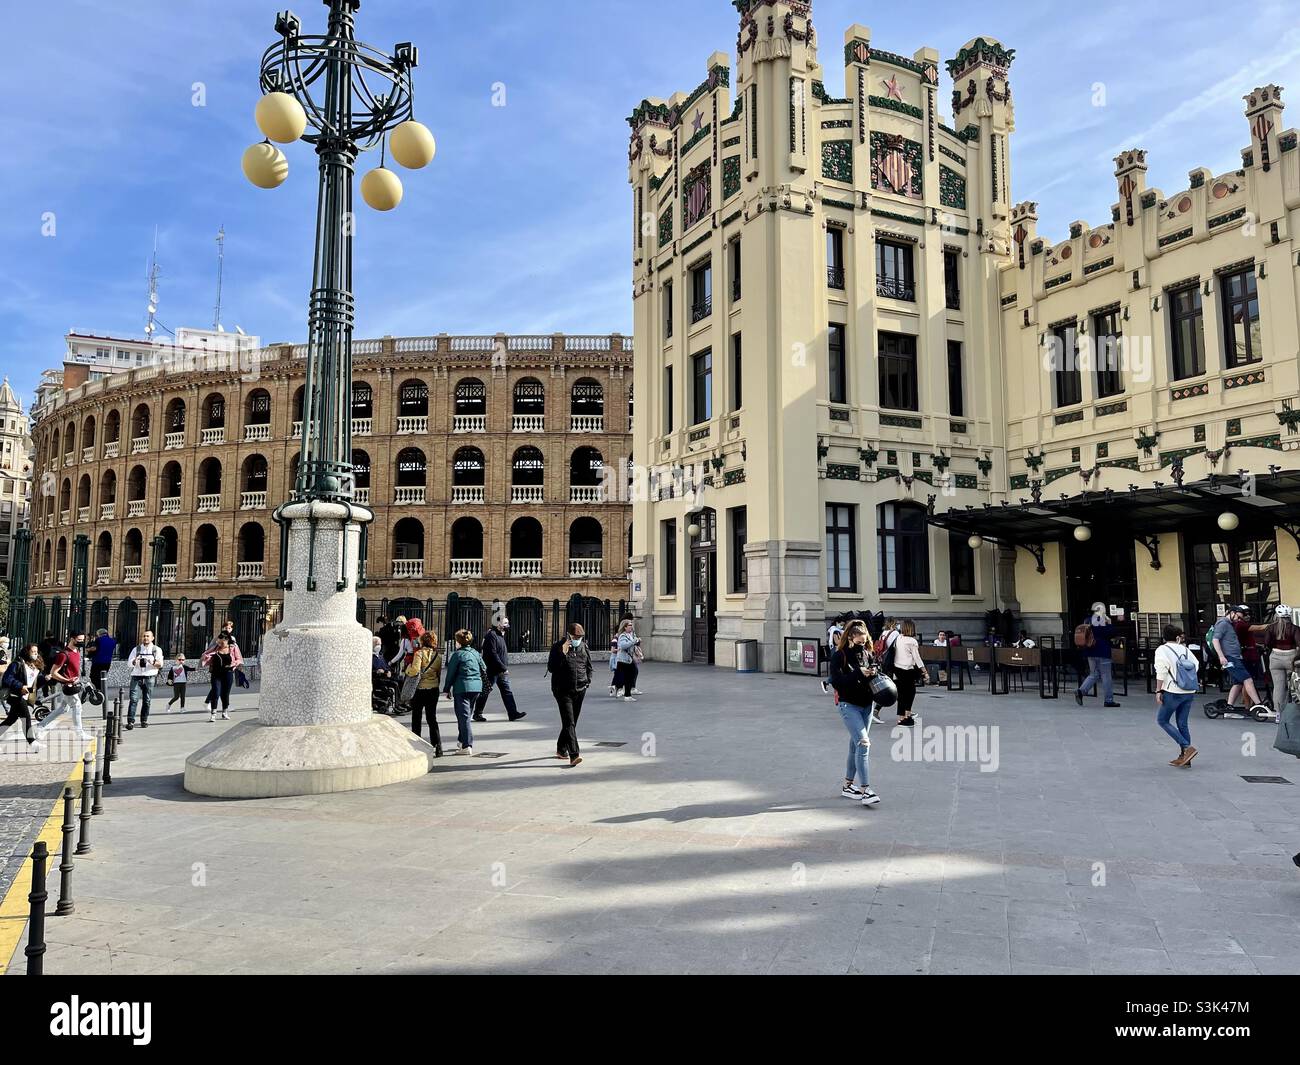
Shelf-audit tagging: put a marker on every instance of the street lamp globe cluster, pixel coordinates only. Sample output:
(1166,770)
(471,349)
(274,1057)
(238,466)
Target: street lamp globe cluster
(343,97)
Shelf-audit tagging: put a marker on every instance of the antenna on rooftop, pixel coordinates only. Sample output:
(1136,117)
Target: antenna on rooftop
(150,325)
(221,269)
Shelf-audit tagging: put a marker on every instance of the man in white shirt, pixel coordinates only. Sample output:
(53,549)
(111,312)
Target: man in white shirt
(146,663)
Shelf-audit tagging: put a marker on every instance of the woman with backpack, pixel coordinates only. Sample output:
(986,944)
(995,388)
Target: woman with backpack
(1176,685)
(851,669)
(463,683)
(426,668)
(19,684)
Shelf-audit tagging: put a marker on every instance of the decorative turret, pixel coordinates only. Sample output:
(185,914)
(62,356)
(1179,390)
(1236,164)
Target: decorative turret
(984,114)
(1131,176)
(1024,230)
(1264,112)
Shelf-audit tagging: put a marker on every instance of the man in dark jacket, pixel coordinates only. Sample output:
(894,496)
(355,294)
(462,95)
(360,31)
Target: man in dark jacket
(497,656)
(102,649)
(390,638)
(570,670)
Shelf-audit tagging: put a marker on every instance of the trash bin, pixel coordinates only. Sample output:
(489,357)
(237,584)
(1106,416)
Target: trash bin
(746,656)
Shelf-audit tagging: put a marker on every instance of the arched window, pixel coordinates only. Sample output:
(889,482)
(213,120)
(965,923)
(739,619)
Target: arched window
(413,400)
(83,492)
(528,468)
(468,468)
(586,468)
(112,427)
(174,419)
(363,401)
(586,539)
(65,495)
(54,447)
(136,483)
(408,540)
(88,433)
(70,440)
(471,398)
(210,477)
(205,553)
(103,557)
(61,559)
(108,488)
(252,543)
(466,543)
(588,399)
(529,406)
(412,470)
(140,422)
(171,481)
(133,548)
(299,398)
(526,545)
(171,545)
(214,411)
(361,468)
(904,548)
(257,407)
(255,474)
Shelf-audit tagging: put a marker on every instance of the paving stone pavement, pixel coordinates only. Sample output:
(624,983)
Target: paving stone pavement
(714,839)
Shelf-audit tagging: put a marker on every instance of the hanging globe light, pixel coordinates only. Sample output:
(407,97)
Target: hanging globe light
(1229,522)
(381,189)
(1083,533)
(693,531)
(265,165)
(412,145)
(280,117)
(975,542)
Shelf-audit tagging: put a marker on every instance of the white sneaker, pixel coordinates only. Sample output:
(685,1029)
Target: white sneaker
(851,791)
(212,718)
(468,752)
(870,798)
(628,699)
(637,691)
(36,747)
(225,716)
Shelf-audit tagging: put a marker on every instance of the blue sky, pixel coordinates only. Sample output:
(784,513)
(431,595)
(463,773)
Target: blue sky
(522,224)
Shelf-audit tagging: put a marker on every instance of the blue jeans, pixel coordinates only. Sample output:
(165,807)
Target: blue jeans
(463,704)
(1178,707)
(1100,671)
(141,692)
(219,692)
(857,719)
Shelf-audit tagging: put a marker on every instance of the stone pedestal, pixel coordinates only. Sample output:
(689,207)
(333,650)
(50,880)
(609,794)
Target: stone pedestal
(316,732)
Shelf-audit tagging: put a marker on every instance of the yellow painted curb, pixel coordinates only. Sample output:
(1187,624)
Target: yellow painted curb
(15,908)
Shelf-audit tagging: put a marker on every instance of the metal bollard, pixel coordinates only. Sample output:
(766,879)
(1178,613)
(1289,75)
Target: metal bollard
(97,805)
(83,842)
(36,917)
(65,866)
(110,752)
(110,738)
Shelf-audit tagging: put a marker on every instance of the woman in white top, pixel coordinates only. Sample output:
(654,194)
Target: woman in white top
(1176,686)
(907,668)
(20,680)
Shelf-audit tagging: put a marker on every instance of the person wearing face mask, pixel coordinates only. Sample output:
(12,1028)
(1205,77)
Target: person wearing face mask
(64,674)
(569,667)
(19,687)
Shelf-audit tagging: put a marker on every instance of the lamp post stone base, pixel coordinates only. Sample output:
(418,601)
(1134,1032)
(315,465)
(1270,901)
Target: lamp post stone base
(315,732)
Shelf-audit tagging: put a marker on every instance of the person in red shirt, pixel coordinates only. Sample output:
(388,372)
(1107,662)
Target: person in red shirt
(65,673)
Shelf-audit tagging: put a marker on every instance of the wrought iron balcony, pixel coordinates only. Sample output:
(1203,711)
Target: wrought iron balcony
(835,277)
(701,310)
(894,289)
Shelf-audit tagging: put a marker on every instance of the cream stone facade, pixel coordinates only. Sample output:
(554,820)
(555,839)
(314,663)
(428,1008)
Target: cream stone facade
(845,327)
(15,475)
(790,220)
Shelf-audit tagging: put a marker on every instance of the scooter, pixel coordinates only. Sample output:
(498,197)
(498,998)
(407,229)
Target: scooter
(85,691)
(1220,708)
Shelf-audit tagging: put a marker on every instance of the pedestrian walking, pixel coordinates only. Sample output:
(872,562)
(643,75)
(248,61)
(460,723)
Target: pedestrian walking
(626,671)
(908,670)
(1226,641)
(64,678)
(222,659)
(884,651)
(178,678)
(101,651)
(1176,685)
(496,656)
(613,665)
(146,663)
(1280,638)
(19,685)
(462,684)
(426,667)
(569,667)
(851,669)
(1093,639)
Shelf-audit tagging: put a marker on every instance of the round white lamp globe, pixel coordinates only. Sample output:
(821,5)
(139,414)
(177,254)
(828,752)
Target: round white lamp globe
(1083,533)
(1228,521)
(412,145)
(975,543)
(381,189)
(692,530)
(280,117)
(265,166)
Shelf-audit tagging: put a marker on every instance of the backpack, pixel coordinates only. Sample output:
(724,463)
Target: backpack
(1084,637)
(1187,671)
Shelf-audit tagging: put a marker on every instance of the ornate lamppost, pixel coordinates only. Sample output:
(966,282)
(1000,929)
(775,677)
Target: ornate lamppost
(316,731)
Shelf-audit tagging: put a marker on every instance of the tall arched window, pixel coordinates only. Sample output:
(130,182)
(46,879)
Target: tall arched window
(587,407)
(527,476)
(529,411)
(471,406)
(904,550)
(408,549)
(468,476)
